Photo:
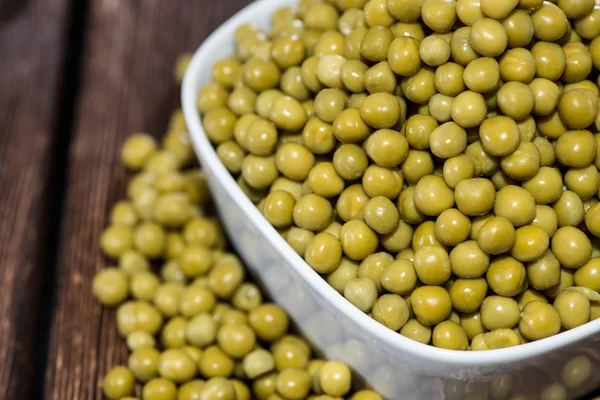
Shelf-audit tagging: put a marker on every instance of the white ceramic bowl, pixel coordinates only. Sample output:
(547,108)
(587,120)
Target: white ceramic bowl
(392,364)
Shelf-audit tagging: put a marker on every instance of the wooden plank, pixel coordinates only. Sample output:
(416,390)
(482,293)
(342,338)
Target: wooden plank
(127,86)
(33,49)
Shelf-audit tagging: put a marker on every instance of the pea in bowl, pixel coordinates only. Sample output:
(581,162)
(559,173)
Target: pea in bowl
(565,365)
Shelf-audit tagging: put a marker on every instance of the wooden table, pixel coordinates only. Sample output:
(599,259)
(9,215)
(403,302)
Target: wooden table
(76,77)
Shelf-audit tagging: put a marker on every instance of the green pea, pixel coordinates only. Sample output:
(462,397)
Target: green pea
(172,209)
(110,286)
(137,150)
(116,240)
(144,363)
(132,261)
(143,285)
(173,333)
(140,340)
(149,239)
(175,365)
(123,213)
(159,389)
(119,382)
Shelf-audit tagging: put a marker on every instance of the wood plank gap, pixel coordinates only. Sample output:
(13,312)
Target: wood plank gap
(66,101)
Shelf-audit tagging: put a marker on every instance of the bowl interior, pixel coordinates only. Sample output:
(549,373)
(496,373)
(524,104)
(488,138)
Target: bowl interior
(220,45)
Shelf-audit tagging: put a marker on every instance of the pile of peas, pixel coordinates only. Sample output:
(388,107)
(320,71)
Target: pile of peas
(198,329)
(436,161)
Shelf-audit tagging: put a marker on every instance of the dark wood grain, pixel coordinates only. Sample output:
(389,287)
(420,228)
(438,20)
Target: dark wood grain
(127,86)
(33,51)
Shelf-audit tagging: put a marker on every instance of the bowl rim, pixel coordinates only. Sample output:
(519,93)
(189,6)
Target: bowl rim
(386,338)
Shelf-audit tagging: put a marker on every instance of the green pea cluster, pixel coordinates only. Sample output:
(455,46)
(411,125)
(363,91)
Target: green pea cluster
(436,161)
(196,326)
